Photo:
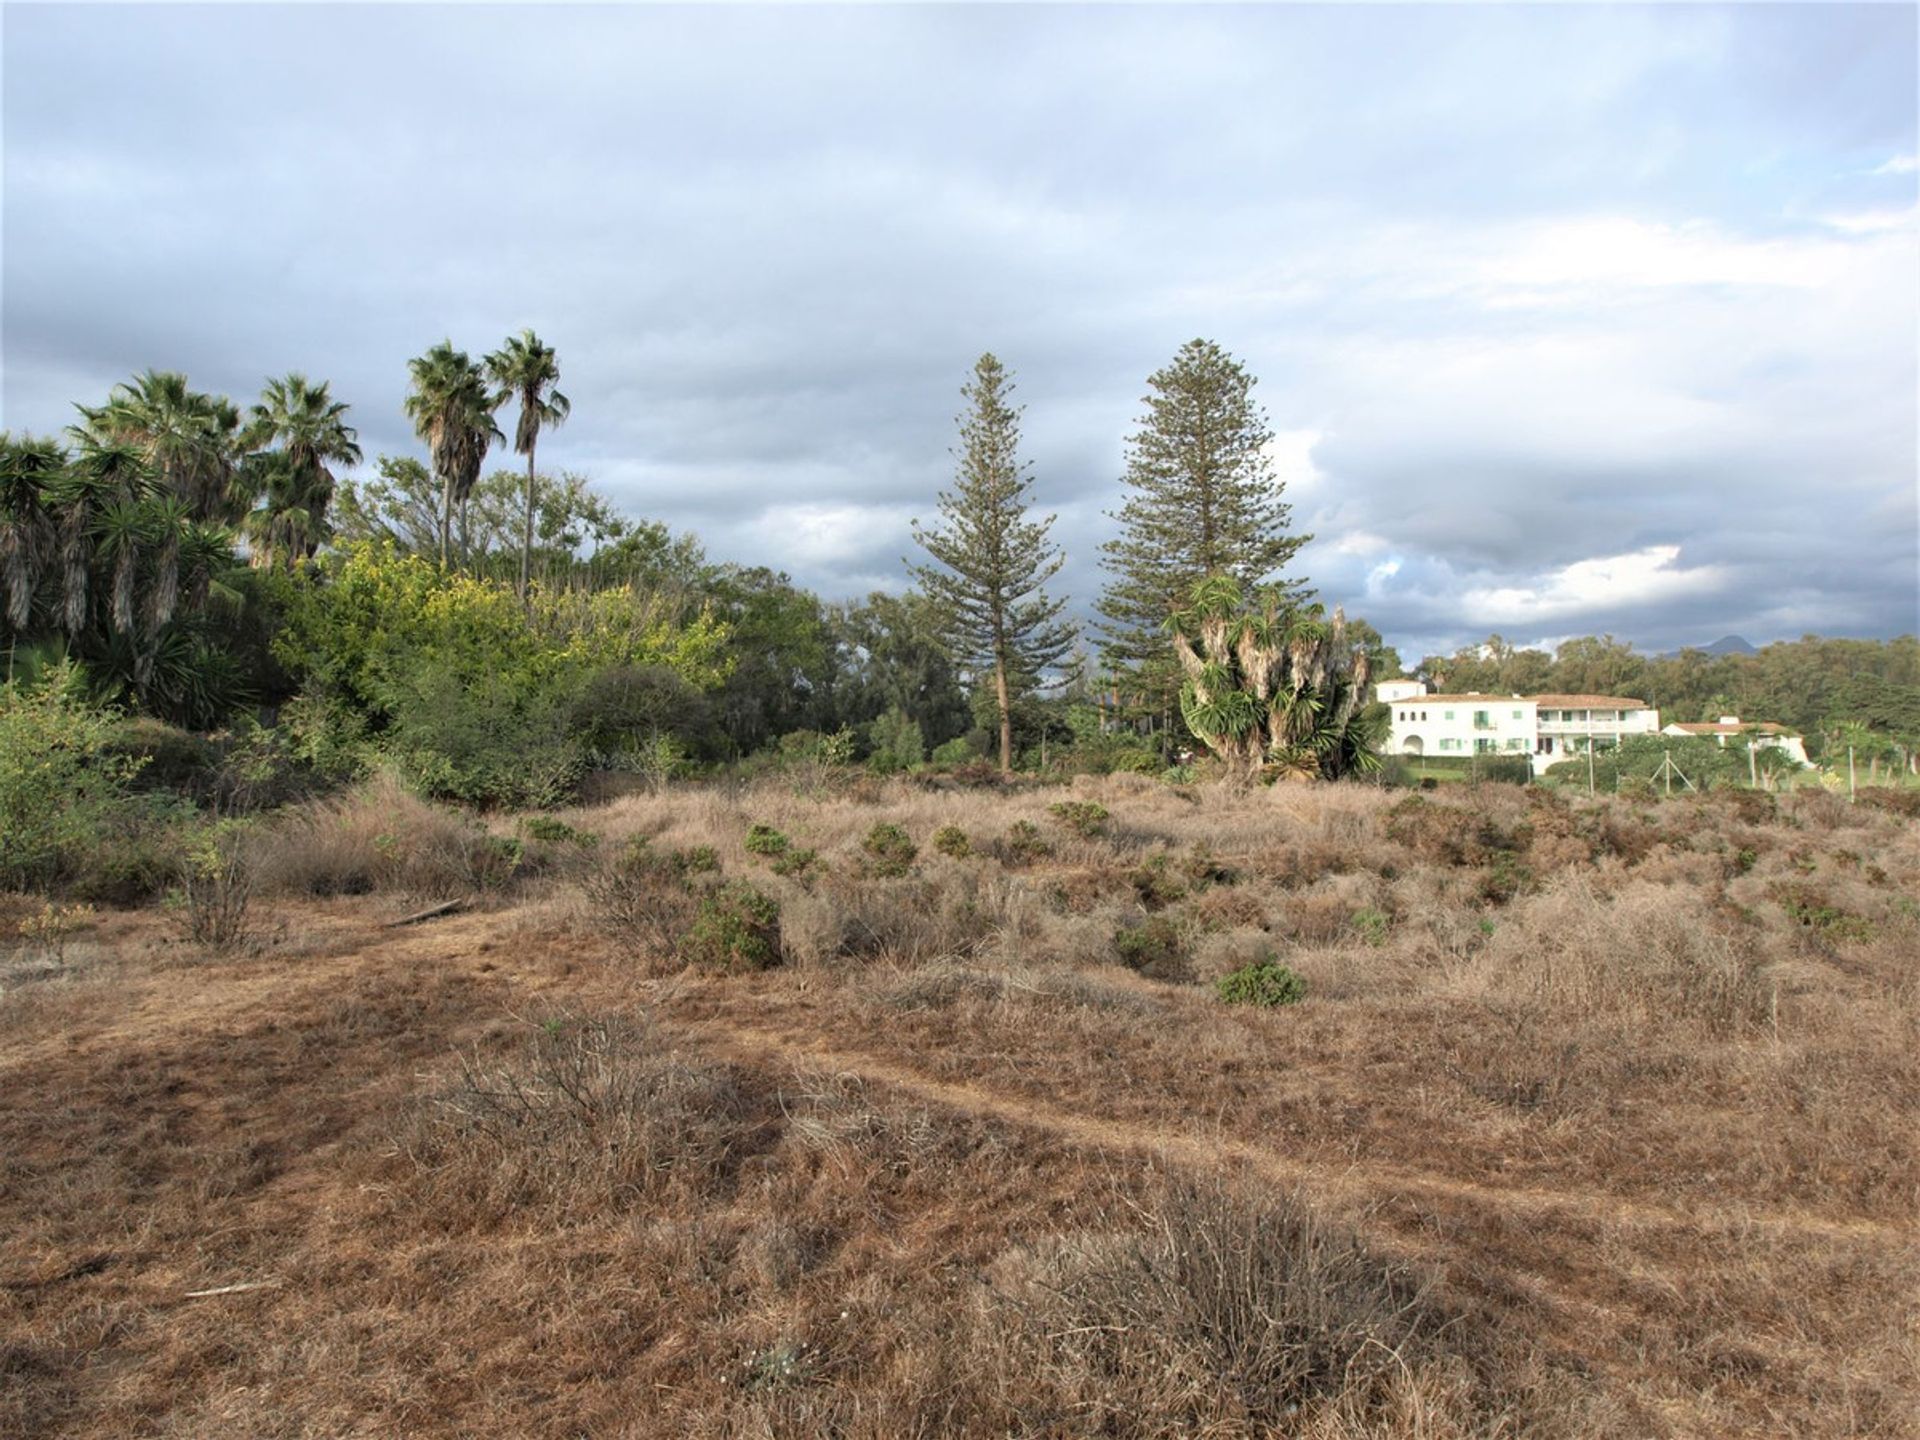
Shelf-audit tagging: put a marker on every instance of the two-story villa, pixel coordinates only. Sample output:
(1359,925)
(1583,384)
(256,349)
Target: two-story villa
(1548,728)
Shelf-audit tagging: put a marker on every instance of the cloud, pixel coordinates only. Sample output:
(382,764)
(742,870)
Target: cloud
(1646,577)
(1897,165)
(1528,289)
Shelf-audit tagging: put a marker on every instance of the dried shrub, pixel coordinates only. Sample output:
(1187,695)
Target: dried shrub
(590,1116)
(644,894)
(1155,946)
(1226,1315)
(1085,818)
(1024,843)
(378,836)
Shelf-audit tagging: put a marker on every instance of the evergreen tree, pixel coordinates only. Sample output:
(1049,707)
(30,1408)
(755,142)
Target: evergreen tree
(991,561)
(1203,500)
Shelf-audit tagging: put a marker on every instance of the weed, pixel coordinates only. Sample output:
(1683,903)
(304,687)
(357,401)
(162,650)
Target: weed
(1372,925)
(952,841)
(47,931)
(216,886)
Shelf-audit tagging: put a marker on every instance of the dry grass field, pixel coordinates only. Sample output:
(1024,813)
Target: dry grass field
(1597,1119)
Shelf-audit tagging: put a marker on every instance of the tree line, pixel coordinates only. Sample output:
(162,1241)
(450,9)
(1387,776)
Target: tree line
(198,561)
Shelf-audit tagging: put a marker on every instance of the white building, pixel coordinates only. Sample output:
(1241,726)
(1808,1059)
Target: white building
(1760,734)
(1546,728)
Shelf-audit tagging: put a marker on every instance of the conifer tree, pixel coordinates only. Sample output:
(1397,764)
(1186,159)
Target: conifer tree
(1202,500)
(991,562)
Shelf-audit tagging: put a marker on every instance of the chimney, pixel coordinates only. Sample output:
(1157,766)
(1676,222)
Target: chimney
(1729,719)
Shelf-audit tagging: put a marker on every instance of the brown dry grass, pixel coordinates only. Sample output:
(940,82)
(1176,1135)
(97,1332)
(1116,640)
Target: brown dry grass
(1598,1120)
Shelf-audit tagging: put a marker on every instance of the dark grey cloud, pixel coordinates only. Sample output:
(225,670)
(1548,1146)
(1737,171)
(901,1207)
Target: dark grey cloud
(1570,319)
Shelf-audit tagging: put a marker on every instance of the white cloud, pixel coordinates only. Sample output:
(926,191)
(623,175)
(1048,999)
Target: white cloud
(1641,577)
(1614,251)
(1883,221)
(1898,165)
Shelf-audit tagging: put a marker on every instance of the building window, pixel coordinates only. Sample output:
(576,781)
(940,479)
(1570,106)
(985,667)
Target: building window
(1518,715)
(1448,715)
(1483,745)
(1482,720)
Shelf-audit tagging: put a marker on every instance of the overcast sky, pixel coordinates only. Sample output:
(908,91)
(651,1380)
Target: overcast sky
(1568,320)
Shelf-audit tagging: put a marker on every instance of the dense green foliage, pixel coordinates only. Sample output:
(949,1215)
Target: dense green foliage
(1265,983)
(477,696)
(62,780)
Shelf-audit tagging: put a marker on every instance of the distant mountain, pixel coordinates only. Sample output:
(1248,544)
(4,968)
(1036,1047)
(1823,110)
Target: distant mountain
(1725,645)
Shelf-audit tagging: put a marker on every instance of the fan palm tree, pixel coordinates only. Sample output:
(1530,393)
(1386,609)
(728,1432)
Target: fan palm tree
(30,471)
(191,440)
(295,482)
(451,408)
(526,369)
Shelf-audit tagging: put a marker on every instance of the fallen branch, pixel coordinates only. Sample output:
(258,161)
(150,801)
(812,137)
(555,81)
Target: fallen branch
(432,912)
(233,1289)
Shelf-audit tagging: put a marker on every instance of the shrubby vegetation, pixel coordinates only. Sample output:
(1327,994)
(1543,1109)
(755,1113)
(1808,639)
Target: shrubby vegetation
(219,619)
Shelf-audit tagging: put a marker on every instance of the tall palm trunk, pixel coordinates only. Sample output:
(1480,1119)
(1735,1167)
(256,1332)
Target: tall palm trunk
(526,535)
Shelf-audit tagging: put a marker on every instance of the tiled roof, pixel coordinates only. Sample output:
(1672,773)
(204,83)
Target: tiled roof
(1588,702)
(1765,727)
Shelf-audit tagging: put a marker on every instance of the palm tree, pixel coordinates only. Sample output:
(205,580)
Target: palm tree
(190,440)
(526,369)
(310,427)
(452,410)
(30,471)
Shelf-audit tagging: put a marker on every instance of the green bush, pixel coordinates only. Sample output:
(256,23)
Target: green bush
(896,742)
(1265,982)
(1372,925)
(735,928)
(1086,818)
(549,831)
(890,852)
(1024,843)
(1155,947)
(63,779)
(953,752)
(698,860)
(952,840)
(765,840)
(795,864)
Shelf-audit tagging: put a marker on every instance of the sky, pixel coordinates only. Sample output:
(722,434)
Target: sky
(1567,320)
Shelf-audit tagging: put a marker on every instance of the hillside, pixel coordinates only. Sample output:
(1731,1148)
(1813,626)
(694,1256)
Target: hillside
(1595,1119)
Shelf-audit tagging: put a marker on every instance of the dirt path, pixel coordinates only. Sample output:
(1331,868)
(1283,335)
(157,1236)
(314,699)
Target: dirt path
(1360,1182)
